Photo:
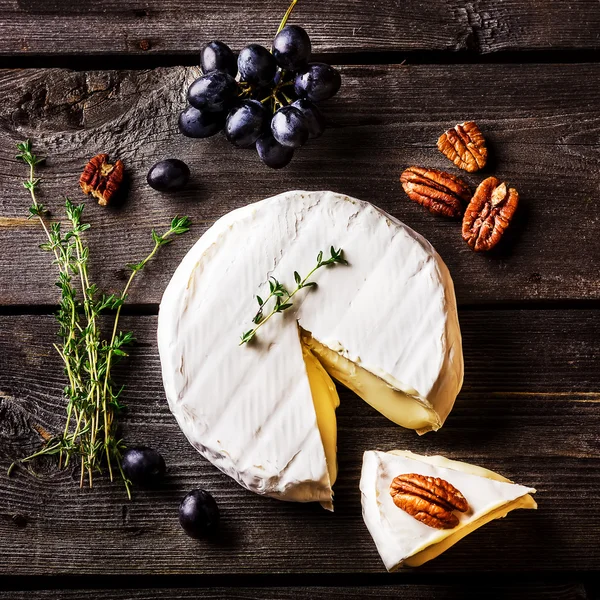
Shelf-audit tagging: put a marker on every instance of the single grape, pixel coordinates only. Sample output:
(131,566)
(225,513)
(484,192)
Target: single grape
(246,123)
(214,92)
(314,117)
(291,48)
(319,82)
(199,514)
(143,466)
(218,56)
(289,127)
(256,65)
(272,153)
(200,124)
(168,175)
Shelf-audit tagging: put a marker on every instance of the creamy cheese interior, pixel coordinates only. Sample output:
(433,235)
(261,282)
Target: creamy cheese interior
(398,406)
(326,400)
(321,363)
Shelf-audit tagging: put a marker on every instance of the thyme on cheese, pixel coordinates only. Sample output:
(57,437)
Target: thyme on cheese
(283,297)
(90,434)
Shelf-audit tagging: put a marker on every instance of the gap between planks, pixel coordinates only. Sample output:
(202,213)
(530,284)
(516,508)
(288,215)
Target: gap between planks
(425,57)
(151,309)
(358,580)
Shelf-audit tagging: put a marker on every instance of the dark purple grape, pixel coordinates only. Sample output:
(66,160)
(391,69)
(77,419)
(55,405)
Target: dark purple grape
(218,56)
(289,127)
(214,92)
(246,123)
(314,117)
(319,82)
(168,175)
(256,65)
(291,48)
(199,514)
(200,124)
(272,153)
(143,466)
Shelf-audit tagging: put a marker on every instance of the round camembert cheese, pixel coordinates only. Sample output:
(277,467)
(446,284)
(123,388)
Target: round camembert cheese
(385,325)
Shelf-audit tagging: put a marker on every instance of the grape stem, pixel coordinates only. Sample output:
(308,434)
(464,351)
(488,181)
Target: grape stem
(246,89)
(288,12)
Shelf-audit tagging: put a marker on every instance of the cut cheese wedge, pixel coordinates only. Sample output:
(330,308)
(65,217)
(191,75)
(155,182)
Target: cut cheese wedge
(326,400)
(401,539)
(385,325)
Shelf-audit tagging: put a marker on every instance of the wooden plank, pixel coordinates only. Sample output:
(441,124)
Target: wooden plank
(531,591)
(175,26)
(543,138)
(529,409)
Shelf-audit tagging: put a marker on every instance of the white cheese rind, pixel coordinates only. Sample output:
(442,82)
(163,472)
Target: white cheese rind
(399,536)
(248,409)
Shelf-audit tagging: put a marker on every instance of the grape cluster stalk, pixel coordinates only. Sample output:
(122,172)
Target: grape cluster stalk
(266,99)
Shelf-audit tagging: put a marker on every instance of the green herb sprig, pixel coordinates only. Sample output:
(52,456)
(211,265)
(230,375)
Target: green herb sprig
(90,435)
(283,297)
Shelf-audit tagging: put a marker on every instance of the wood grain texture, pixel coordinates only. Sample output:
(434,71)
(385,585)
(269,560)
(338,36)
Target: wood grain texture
(541,122)
(529,409)
(531,591)
(155,26)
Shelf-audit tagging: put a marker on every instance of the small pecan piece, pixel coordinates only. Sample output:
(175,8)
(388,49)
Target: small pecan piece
(489,214)
(440,192)
(101,179)
(430,500)
(465,146)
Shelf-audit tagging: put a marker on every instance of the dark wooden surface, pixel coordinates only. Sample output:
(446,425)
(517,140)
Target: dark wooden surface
(529,409)
(528,73)
(535,591)
(176,26)
(542,123)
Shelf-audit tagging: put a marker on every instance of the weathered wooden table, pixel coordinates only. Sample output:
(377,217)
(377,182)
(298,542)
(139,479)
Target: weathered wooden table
(81,78)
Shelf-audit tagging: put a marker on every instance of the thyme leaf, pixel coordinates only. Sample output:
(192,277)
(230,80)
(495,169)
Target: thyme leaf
(283,297)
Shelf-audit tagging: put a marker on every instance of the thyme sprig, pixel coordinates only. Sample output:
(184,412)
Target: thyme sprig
(282,297)
(90,435)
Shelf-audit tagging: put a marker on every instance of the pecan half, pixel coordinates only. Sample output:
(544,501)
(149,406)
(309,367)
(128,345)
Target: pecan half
(102,179)
(430,500)
(489,214)
(440,192)
(465,146)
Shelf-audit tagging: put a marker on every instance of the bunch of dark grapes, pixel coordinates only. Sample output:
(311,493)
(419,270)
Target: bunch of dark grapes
(266,99)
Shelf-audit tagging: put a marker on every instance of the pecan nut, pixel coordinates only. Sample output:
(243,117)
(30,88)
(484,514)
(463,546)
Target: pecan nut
(440,192)
(465,146)
(101,179)
(430,500)
(489,214)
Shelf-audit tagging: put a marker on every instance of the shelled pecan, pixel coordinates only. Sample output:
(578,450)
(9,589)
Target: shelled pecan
(102,179)
(430,500)
(489,214)
(438,191)
(465,146)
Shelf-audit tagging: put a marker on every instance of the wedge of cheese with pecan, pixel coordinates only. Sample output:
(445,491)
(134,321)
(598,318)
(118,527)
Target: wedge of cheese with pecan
(403,531)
